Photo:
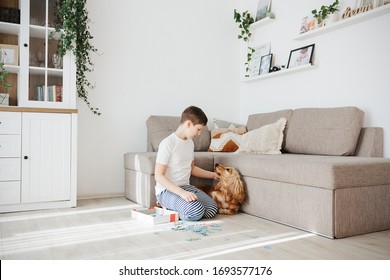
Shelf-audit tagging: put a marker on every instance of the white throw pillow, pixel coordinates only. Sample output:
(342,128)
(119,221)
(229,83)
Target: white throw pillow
(264,140)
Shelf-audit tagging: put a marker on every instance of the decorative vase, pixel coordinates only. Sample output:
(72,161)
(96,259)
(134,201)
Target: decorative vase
(332,18)
(4,99)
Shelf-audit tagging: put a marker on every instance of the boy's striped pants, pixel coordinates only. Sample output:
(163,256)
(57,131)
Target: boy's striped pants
(189,211)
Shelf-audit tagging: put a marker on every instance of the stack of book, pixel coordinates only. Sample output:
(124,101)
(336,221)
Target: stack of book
(53,93)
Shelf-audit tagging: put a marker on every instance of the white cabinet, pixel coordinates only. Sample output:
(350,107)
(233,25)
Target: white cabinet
(46,146)
(10,152)
(38,165)
(38,131)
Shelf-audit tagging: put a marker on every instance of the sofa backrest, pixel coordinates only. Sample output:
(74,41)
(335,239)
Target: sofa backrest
(160,127)
(370,142)
(324,131)
(258,120)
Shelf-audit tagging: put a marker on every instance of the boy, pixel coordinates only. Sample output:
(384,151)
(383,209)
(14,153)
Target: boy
(175,165)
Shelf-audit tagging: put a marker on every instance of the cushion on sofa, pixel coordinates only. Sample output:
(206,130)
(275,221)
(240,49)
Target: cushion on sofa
(160,127)
(264,140)
(328,172)
(218,123)
(226,139)
(324,131)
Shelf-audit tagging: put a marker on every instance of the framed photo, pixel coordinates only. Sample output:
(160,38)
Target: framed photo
(364,3)
(263,8)
(254,64)
(300,56)
(344,4)
(265,64)
(9,54)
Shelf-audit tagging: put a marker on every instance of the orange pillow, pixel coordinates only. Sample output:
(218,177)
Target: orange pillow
(226,139)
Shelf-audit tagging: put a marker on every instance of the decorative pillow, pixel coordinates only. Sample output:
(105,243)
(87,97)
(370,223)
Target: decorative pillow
(226,139)
(264,140)
(226,124)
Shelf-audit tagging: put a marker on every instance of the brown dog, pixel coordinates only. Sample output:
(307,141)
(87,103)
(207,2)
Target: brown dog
(229,192)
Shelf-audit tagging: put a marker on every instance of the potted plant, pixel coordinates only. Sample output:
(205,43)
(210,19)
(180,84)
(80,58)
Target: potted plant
(326,12)
(4,85)
(245,20)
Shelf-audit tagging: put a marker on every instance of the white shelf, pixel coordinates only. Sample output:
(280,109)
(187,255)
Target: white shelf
(40,32)
(280,72)
(9,28)
(262,22)
(54,72)
(11,68)
(346,22)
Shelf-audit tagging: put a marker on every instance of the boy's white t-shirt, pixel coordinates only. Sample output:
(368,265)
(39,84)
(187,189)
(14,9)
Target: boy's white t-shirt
(177,154)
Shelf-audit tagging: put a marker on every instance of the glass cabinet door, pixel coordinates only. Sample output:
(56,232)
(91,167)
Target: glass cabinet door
(9,50)
(44,72)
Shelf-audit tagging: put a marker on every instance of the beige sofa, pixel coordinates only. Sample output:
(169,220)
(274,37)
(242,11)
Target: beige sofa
(331,178)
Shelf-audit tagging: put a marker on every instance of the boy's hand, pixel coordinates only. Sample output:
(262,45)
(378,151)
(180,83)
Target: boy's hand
(216,176)
(188,196)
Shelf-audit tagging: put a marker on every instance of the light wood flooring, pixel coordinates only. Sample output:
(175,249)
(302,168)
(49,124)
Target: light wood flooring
(104,229)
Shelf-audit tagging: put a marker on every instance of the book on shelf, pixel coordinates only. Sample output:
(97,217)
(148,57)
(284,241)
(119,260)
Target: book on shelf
(53,93)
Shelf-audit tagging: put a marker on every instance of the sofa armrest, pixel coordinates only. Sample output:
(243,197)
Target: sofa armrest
(370,142)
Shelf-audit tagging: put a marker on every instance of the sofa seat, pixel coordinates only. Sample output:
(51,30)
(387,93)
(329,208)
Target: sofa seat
(334,196)
(329,172)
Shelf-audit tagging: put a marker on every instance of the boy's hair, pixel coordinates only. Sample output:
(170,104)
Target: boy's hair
(195,115)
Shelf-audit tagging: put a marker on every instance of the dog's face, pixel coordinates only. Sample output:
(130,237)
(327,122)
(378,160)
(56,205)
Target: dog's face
(230,182)
(226,172)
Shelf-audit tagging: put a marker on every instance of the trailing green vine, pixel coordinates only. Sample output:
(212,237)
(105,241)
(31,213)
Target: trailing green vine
(73,25)
(245,20)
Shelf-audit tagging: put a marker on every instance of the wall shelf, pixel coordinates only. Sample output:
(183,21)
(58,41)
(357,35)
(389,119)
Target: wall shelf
(279,73)
(9,28)
(12,68)
(260,23)
(346,22)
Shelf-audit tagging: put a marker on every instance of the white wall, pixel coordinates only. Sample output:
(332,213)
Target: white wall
(353,67)
(155,57)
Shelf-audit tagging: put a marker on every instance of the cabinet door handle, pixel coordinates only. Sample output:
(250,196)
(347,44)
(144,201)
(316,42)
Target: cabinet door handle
(25,157)
(25,44)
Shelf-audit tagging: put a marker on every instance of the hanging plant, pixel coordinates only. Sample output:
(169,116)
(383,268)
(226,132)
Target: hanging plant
(245,20)
(73,25)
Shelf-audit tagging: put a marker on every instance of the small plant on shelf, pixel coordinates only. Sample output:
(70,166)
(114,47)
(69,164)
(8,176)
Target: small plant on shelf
(245,20)
(4,85)
(325,11)
(73,25)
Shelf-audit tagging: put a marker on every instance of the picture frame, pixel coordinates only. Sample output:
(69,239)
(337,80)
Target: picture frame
(263,7)
(265,64)
(254,64)
(301,56)
(9,54)
(363,3)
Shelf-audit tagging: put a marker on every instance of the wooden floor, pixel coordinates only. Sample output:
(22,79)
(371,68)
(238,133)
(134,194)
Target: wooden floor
(104,229)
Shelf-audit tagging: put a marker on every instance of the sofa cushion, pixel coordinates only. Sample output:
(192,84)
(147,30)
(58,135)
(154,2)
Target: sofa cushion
(264,140)
(258,120)
(160,127)
(226,139)
(329,172)
(324,131)
(218,123)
